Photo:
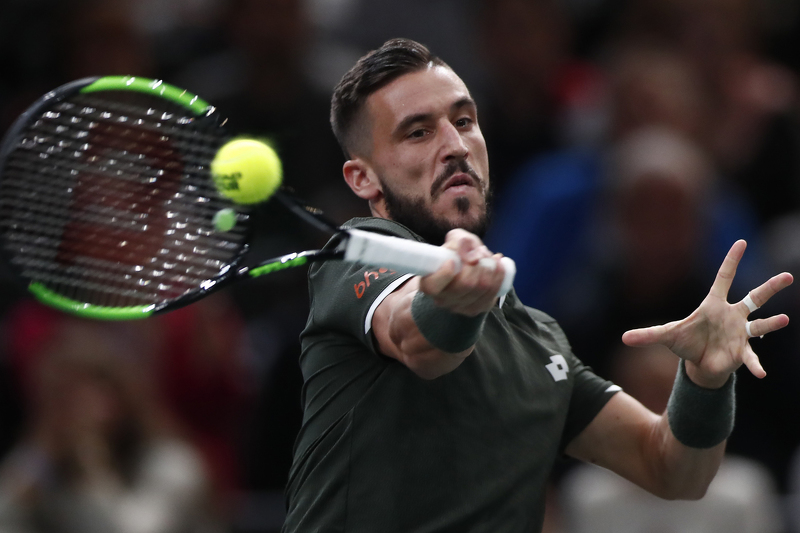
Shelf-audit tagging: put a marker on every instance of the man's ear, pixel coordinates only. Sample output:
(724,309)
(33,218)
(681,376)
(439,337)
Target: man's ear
(362,179)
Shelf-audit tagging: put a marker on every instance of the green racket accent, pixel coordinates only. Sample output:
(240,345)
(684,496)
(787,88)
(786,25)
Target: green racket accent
(62,303)
(148,86)
(278,265)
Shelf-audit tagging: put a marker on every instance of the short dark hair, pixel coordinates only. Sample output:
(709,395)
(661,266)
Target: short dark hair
(375,70)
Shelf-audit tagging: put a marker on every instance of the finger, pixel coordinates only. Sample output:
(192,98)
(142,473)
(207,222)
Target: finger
(434,284)
(476,255)
(482,281)
(468,246)
(727,271)
(762,326)
(646,336)
(496,274)
(753,364)
(767,290)
(475,289)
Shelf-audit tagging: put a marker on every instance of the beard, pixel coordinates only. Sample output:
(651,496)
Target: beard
(414,214)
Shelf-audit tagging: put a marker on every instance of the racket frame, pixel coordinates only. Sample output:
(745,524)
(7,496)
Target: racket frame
(201,111)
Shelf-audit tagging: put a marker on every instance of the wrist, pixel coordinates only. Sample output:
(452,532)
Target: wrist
(700,417)
(445,330)
(702,379)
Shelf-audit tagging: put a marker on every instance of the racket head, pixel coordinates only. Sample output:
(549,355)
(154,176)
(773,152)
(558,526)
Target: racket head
(106,200)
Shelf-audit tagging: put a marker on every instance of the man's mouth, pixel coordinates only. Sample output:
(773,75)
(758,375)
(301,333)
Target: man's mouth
(458,174)
(459,180)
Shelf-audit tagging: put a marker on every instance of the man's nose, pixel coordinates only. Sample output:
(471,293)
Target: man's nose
(453,143)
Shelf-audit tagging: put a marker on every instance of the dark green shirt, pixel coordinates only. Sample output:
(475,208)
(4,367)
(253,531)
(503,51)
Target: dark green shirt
(382,450)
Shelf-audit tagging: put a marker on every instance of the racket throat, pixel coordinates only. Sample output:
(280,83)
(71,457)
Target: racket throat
(290,261)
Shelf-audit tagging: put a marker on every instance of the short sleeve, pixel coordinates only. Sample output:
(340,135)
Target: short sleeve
(590,392)
(344,296)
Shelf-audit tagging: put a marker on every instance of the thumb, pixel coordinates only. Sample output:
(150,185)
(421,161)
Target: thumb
(648,336)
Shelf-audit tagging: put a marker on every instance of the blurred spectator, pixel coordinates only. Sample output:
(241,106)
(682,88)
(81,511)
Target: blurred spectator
(548,219)
(99,454)
(193,361)
(656,86)
(201,365)
(100,38)
(753,101)
(530,75)
(741,499)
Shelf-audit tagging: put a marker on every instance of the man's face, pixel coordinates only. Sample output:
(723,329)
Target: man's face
(429,154)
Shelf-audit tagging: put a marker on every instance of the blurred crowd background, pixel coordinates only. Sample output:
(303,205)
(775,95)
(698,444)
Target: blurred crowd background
(631,143)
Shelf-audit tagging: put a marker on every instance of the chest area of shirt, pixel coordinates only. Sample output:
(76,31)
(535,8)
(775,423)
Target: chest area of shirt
(520,374)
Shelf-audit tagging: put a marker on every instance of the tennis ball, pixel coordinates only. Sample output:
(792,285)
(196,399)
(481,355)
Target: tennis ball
(224,219)
(246,171)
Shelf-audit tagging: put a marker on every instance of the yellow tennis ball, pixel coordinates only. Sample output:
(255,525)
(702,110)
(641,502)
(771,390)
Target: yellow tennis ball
(246,171)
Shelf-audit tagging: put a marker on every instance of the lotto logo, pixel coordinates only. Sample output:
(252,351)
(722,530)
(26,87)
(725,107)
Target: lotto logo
(558,368)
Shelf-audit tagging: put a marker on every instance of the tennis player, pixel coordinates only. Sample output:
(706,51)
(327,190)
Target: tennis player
(432,405)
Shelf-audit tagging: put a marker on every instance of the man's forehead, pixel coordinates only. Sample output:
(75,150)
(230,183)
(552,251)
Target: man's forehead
(424,91)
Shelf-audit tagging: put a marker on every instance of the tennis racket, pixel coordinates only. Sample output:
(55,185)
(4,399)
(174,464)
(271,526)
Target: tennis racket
(108,209)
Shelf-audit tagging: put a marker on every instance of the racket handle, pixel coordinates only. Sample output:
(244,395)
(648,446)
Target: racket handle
(411,256)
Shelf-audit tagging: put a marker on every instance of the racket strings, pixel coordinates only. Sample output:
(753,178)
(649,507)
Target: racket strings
(110,203)
(50,238)
(25,174)
(190,137)
(127,159)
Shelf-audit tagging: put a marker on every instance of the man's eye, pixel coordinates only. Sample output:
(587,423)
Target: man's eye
(417,134)
(463,122)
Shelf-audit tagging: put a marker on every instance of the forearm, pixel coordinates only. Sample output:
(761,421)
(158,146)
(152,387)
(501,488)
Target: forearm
(698,420)
(680,471)
(640,446)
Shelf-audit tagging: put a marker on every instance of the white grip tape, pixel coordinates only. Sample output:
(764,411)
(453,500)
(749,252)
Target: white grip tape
(409,256)
(399,254)
(510,268)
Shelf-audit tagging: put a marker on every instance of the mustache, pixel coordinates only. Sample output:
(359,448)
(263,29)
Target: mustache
(459,165)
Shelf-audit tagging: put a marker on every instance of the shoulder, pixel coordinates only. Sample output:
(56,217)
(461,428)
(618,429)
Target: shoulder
(340,269)
(540,316)
(344,295)
(545,322)
(545,328)
(381,225)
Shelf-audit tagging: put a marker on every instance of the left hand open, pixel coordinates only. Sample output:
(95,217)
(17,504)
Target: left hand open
(713,340)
